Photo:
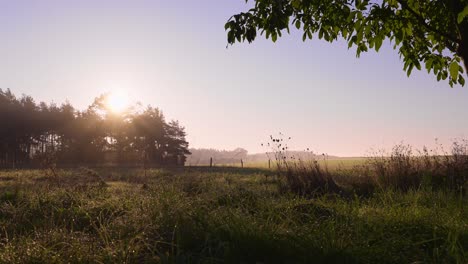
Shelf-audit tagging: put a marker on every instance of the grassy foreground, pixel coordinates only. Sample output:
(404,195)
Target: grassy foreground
(218,215)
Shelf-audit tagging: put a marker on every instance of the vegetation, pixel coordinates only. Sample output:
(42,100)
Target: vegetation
(401,207)
(402,169)
(32,134)
(233,157)
(203,156)
(429,33)
(301,212)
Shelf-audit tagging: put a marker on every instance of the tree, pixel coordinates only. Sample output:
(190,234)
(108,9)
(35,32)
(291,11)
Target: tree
(32,131)
(176,147)
(429,32)
(149,134)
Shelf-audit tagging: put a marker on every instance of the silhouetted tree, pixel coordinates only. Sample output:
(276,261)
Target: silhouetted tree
(30,130)
(176,147)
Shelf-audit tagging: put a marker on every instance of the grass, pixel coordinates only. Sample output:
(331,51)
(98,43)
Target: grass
(219,215)
(332,164)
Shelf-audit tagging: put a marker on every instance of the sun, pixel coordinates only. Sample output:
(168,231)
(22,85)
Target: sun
(117,101)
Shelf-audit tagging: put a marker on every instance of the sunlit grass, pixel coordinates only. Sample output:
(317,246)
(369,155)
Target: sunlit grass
(332,164)
(218,215)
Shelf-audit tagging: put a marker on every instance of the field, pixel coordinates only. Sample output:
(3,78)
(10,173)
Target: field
(333,164)
(217,215)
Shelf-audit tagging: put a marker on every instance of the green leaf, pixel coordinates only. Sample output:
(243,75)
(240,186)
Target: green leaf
(462,15)
(274,37)
(418,65)
(454,68)
(410,69)
(296,4)
(231,37)
(378,43)
(409,31)
(298,24)
(364,24)
(429,65)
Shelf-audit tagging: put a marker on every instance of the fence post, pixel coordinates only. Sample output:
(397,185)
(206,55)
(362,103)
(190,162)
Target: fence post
(242,163)
(211,162)
(269,163)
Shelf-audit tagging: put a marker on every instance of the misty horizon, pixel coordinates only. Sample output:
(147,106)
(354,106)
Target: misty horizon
(261,148)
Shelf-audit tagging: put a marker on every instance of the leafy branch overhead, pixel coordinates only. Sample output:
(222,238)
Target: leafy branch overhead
(426,33)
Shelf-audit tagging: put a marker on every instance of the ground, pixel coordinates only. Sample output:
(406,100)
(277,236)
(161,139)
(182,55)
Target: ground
(217,215)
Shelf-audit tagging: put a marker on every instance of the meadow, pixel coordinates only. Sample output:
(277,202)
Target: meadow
(223,215)
(333,164)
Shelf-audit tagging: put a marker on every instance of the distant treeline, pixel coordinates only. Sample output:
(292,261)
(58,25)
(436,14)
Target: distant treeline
(33,133)
(225,157)
(203,156)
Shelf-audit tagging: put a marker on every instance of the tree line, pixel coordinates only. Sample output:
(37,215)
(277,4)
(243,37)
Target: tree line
(203,156)
(33,133)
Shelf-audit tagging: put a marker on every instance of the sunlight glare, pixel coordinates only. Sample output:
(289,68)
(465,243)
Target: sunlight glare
(117,101)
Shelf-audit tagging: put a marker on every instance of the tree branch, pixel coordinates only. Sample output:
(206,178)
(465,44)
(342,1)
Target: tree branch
(421,20)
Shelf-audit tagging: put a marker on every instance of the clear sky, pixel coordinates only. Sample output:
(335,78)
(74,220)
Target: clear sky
(172,54)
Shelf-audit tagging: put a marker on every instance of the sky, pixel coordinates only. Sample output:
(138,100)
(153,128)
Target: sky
(174,55)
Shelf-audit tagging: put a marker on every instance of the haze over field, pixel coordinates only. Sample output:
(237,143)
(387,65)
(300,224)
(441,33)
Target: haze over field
(172,54)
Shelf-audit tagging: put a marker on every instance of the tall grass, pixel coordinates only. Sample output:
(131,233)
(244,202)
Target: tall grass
(402,207)
(402,169)
(300,176)
(217,216)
